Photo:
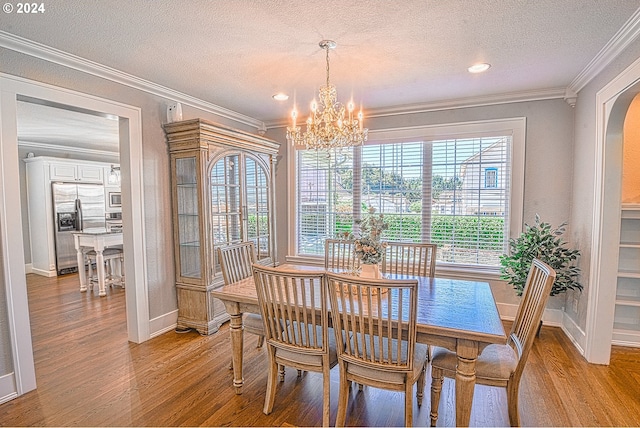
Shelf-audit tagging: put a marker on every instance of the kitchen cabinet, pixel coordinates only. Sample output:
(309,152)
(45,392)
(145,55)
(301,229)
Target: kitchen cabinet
(222,193)
(41,172)
(85,173)
(626,326)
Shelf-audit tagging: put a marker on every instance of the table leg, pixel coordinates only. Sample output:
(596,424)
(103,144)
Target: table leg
(467,351)
(236,330)
(81,272)
(101,275)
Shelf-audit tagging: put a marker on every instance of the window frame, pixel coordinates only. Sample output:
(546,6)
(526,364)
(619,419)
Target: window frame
(514,127)
(494,181)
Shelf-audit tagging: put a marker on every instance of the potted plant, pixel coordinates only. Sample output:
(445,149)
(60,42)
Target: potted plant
(368,247)
(545,243)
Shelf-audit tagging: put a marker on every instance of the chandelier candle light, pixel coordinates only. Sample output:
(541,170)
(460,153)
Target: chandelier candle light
(327,126)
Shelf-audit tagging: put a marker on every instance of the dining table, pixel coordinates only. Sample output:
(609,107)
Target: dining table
(460,315)
(96,239)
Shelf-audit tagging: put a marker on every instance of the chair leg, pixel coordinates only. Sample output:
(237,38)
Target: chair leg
(271,383)
(326,394)
(512,402)
(343,396)
(436,388)
(420,386)
(281,372)
(260,341)
(408,404)
(90,276)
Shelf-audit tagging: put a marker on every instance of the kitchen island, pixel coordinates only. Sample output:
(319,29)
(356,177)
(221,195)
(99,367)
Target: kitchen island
(96,239)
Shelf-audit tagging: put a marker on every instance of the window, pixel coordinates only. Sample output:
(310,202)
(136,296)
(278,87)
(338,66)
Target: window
(491,177)
(457,191)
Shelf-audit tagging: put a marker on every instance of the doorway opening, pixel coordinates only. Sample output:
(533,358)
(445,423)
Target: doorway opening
(612,105)
(15,89)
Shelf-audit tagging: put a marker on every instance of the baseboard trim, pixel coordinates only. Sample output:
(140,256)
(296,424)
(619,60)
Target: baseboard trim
(573,331)
(163,324)
(8,390)
(551,317)
(42,272)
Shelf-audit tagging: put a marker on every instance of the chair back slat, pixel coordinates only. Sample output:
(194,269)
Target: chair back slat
(375,319)
(525,325)
(294,306)
(236,261)
(410,259)
(340,254)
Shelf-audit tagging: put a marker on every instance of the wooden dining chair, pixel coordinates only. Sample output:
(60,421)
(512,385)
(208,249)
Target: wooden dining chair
(380,344)
(236,263)
(502,365)
(298,301)
(410,258)
(340,254)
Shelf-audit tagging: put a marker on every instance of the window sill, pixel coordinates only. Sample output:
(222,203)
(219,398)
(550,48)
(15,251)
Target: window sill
(447,270)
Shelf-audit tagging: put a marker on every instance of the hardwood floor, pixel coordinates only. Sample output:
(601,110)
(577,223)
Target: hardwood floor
(89,375)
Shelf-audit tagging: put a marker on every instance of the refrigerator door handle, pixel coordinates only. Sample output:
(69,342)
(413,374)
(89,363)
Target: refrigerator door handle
(78,215)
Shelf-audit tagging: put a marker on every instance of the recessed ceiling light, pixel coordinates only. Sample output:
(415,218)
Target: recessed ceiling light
(280,97)
(479,68)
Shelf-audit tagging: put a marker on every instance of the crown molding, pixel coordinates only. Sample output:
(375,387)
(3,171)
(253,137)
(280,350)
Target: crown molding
(618,43)
(67,149)
(48,53)
(487,100)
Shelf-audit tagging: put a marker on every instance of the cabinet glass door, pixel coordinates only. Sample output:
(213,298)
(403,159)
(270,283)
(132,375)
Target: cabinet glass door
(188,219)
(257,208)
(240,203)
(226,226)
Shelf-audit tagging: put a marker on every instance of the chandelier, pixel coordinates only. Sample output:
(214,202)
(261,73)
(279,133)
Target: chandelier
(329,126)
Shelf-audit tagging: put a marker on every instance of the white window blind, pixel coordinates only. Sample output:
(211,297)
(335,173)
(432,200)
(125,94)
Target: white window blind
(324,198)
(436,191)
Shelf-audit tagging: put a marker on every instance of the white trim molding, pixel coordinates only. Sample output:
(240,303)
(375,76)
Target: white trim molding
(67,149)
(57,56)
(163,324)
(618,43)
(487,100)
(550,317)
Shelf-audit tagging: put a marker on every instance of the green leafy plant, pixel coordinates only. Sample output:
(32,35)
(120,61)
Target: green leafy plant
(545,243)
(368,246)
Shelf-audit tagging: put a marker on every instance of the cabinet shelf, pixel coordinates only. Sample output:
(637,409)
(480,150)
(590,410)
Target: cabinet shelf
(628,301)
(626,328)
(628,274)
(625,244)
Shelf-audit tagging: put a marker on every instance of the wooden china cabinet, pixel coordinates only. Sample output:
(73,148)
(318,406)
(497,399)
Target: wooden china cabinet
(222,183)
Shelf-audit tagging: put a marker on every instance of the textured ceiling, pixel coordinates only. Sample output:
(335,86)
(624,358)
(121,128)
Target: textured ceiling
(238,53)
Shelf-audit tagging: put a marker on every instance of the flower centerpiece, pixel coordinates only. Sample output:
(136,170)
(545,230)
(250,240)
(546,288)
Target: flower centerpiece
(368,247)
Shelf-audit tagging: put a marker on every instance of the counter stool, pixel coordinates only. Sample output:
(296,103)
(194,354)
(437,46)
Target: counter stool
(113,260)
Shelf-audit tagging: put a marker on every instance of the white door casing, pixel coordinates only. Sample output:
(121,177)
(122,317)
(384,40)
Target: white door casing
(13,267)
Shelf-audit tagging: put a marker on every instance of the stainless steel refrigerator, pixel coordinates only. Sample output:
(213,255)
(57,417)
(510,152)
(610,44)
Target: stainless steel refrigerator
(75,207)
